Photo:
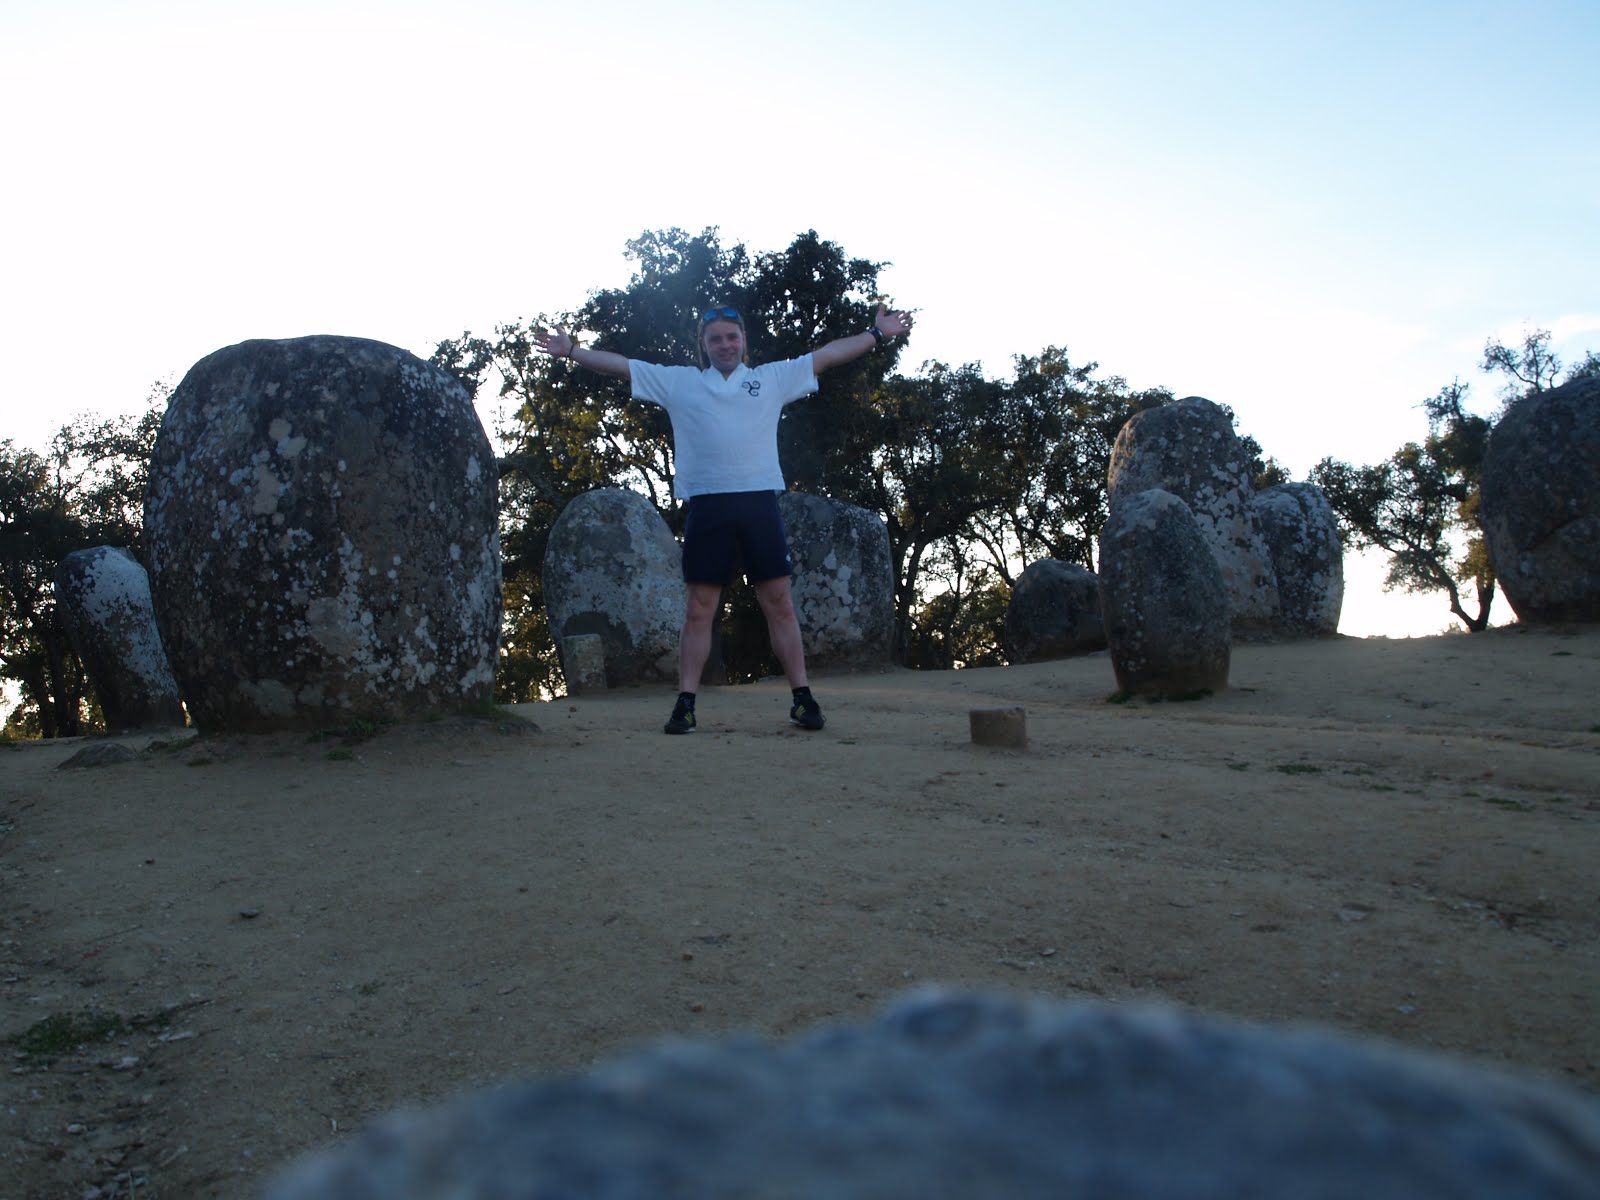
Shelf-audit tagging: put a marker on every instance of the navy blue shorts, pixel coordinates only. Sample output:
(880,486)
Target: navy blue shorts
(723,526)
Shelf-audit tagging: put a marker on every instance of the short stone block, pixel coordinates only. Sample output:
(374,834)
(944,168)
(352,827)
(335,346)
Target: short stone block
(583,657)
(999,726)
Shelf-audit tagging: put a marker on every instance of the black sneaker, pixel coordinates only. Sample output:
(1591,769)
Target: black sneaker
(806,714)
(681,720)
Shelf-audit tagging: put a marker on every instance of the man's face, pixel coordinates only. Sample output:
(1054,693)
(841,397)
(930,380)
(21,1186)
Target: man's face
(724,345)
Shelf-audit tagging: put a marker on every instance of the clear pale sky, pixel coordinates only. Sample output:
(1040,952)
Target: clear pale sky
(1313,213)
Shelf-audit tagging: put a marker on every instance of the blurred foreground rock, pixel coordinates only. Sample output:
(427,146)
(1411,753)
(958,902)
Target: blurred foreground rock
(968,1096)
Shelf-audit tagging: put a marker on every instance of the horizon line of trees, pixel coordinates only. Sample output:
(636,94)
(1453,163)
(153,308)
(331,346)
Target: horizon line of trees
(973,477)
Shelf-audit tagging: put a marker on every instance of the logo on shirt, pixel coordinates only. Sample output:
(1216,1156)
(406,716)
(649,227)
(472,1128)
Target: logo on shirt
(753,386)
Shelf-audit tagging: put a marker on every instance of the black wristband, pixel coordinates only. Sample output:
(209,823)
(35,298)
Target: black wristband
(877,334)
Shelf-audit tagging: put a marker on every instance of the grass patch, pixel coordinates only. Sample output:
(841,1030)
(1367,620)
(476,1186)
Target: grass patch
(1508,803)
(1239,766)
(62,1033)
(357,731)
(1158,697)
(483,710)
(341,755)
(1300,769)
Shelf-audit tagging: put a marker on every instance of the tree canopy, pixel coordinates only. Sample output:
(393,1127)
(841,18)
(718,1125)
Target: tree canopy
(86,490)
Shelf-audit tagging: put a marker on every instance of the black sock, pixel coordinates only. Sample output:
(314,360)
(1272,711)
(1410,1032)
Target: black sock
(801,694)
(687,700)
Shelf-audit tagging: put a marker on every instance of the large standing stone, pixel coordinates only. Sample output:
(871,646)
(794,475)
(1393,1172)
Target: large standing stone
(321,524)
(1541,503)
(843,581)
(104,594)
(961,1097)
(1189,448)
(1302,535)
(613,568)
(1165,605)
(1054,612)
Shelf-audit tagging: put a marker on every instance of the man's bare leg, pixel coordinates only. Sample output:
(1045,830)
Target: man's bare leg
(694,640)
(783,627)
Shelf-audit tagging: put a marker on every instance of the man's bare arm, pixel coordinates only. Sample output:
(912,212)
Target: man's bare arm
(847,349)
(562,345)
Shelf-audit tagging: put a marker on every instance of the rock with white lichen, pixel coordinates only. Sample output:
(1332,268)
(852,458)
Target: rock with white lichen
(1163,598)
(1054,612)
(104,595)
(613,569)
(1189,448)
(1541,503)
(321,532)
(843,582)
(1302,536)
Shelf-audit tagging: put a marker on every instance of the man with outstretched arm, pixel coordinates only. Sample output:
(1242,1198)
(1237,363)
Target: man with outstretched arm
(725,446)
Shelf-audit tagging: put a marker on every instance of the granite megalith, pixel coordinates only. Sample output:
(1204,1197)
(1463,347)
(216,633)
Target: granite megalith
(957,1096)
(104,594)
(1302,536)
(1541,503)
(321,524)
(1189,448)
(1163,598)
(1054,612)
(843,583)
(613,568)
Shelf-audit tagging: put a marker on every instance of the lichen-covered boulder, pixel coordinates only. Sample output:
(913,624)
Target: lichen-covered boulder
(843,582)
(1054,612)
(322,537)
(613,568)
(961,1096)
(1541,503)
(1302,535)
(1189,448)
(104,595)
(1163,598)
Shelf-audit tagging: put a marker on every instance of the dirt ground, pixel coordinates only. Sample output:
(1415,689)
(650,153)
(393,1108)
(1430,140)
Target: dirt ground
(282,938)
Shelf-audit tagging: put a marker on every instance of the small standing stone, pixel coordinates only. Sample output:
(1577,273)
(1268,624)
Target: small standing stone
(999,726)
(583,659)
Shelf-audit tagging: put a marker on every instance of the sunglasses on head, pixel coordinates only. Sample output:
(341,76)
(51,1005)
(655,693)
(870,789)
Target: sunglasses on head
(719,314)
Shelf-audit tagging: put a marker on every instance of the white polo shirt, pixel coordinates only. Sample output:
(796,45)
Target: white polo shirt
(724,431)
